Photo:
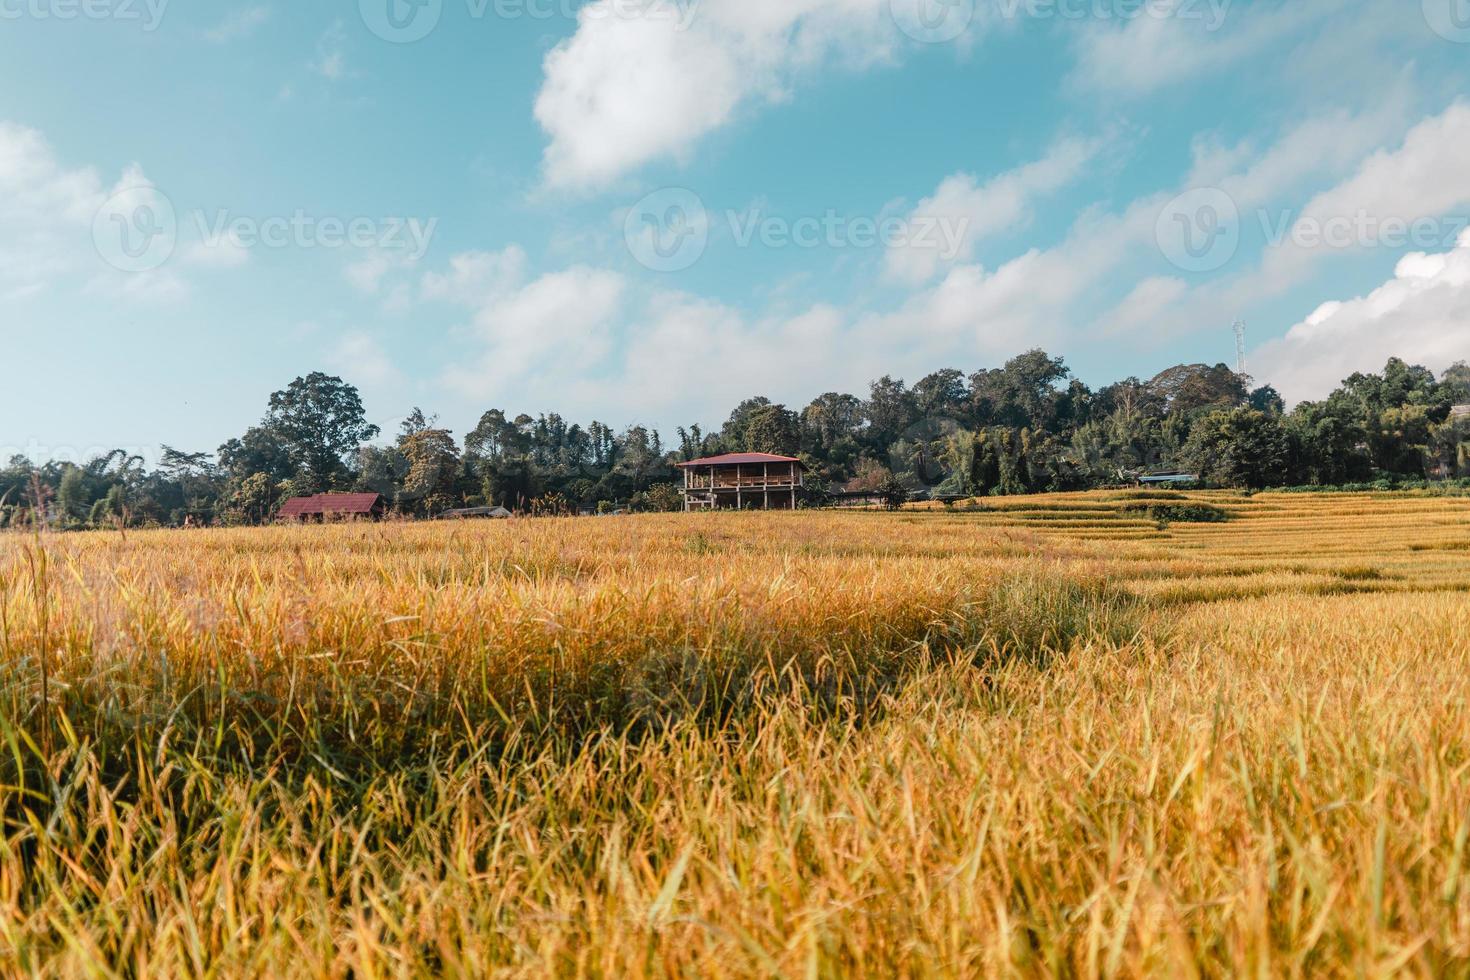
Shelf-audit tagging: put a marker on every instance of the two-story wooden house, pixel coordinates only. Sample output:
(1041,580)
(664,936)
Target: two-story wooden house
(754,481)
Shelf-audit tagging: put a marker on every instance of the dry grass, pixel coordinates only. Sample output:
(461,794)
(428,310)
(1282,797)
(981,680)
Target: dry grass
(990,741)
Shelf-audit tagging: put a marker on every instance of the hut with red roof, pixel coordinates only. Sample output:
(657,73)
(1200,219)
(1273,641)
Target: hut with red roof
(333,506)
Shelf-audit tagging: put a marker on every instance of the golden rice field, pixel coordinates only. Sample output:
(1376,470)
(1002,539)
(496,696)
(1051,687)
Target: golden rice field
(1034,736)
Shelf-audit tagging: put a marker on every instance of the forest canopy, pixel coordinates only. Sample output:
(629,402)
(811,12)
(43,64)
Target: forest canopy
(1026,427)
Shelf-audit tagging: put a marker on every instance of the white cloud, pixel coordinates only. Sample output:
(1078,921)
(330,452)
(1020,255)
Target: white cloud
(668,356)
(1105,250)
(360,359)
(331,57)
(47,212)
(1148,303)
(641,81)
(238,24)
(1179,41)
(1427,177)
(1001,204)
(476,278)
(1327,145)
(367,273)
(1422,314)
(45,209)
(561,323)
(686,356)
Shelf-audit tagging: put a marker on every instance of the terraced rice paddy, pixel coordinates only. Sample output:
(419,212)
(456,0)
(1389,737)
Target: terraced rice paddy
(1024,736)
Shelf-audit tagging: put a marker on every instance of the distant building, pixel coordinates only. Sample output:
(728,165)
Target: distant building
(337,506)
(857,499)
(758,481)
(471,513)
(1167,479)
(1460,412)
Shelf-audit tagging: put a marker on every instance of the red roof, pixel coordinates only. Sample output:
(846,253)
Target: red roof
(742,459)
(332,503)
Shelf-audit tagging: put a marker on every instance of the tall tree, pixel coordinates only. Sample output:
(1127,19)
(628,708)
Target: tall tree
(433,469)
(941,395)
(320,420)
(1240,448)
(890,410)
(1023,394)
(771,429)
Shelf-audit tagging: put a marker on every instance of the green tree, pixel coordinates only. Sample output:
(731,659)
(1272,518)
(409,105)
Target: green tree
(1456,380)
(732,433)
(433,468)
(663,498)
(319,420)
(255,498)
(1240,448)
(72,501)
(1267,399)
(771,429)
(942,394)
(1193,388)
(259,450)
(1023,394)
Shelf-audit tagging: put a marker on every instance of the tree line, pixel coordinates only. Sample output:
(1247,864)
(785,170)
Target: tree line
(1028,426)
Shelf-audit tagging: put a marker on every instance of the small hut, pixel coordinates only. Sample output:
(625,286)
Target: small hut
(334,506)
(476,513)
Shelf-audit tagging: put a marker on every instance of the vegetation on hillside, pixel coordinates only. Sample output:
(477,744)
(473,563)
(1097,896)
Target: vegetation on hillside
(1027,427)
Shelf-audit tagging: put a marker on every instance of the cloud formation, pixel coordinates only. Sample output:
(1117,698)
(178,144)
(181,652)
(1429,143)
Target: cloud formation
(1422,315)
(643,80)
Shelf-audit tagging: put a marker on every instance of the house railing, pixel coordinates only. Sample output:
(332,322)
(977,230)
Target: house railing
(783,482)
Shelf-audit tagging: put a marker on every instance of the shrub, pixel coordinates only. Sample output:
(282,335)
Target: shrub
(1192,513)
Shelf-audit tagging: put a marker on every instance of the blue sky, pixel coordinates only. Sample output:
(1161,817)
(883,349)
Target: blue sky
(645,210)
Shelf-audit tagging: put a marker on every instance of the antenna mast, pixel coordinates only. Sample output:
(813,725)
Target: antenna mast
(1240,347)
